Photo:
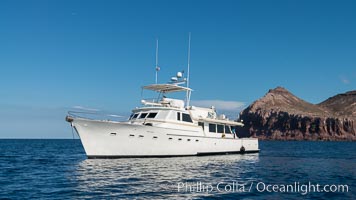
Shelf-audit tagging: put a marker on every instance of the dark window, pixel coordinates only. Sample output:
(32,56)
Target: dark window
(187,118)
(131,116)
(220,128)
(152,115)
(201,124)
(135,116)
(178,116)
(227,129)
(212,128)
(143,115)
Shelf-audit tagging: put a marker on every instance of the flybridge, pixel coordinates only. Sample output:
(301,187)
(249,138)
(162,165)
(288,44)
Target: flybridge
(166,88)
(171,87)
(162,100)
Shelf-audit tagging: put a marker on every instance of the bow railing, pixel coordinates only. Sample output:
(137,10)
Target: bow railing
(96,116)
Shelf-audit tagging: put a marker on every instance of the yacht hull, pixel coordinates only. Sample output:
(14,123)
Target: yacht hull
(107,139)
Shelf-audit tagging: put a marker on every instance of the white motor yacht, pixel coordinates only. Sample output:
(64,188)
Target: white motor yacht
(163,127)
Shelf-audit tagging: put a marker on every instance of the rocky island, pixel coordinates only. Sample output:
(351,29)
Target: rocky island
(280,115)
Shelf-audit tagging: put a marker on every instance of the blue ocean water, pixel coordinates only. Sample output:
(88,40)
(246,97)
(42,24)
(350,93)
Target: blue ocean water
(58,169)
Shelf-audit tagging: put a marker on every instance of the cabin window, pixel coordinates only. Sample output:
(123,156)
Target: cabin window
(143,115)
(178,116)
(212,128)
(201,124)
(135,116)
(220,128)
(233,129)
(186,117)
(152,115)
(227,129)
(131,116)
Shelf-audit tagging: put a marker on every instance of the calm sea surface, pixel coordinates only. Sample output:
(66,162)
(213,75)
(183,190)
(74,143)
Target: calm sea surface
(58,169)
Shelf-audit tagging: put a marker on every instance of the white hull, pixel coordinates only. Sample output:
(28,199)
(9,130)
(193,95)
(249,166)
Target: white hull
(107,139)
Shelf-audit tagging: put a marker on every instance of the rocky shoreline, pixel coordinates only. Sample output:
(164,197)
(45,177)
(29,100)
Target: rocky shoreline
(280,115)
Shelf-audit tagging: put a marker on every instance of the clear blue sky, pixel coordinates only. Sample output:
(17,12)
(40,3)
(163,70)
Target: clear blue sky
(55,55)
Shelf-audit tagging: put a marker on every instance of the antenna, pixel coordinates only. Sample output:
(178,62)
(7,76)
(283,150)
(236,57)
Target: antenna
(157,68)
(188,73)
(188,61)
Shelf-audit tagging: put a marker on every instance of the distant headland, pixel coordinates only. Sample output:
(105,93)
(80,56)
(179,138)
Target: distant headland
(280,115)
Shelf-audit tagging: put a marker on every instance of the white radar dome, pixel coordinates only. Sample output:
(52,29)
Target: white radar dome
(179,75)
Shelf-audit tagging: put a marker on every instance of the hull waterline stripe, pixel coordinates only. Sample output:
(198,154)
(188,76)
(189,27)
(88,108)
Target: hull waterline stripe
(169,156)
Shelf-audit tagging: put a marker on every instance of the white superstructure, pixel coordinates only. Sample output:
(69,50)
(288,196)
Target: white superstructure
(162,127)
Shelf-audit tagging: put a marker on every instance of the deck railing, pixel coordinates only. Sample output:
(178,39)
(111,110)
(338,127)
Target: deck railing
(96,116)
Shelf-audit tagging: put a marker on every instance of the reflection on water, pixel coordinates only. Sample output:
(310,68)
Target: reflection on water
(160,175)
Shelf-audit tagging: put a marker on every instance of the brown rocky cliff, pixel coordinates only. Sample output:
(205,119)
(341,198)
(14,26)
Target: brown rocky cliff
(342,104)
(280,115)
